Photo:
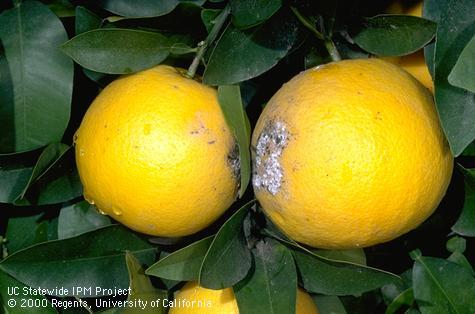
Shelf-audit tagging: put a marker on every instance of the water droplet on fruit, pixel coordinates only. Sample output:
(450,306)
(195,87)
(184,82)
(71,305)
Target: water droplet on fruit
(101,212)
(116,210)
(82,152)
(75,138)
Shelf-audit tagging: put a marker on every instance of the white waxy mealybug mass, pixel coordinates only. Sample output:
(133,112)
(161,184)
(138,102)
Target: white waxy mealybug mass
(267,172)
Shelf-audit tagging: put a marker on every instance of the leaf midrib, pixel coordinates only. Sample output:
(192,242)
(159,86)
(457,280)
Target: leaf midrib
(219,257)
(437,284)
(266,274)
(75,259)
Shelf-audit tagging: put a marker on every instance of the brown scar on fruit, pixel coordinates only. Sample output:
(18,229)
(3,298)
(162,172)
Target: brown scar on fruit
(234,161)
(198,125)
(199,129)
(267,169)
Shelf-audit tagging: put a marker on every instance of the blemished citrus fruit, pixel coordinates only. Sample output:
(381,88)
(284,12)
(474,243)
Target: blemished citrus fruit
(155,153)
(413,63)
(194,299)
(350,154)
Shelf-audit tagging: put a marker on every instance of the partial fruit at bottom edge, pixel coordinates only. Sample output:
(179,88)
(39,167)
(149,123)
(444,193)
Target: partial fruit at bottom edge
(350,154)
(155,153)
(224,302)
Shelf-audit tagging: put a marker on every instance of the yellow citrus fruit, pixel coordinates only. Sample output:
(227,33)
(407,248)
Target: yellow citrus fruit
(413,63)
(154,152)
(416,65)
(350,154)
(399,7)
(194,299)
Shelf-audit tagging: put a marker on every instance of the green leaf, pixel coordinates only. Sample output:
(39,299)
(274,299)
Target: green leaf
(431,10)
(405,298)
(117,51)
(79,218)
(47,158)
(438,286)
(469,150)
(356,256)
(7,140)
(460,259)
(331,276)
(86,20)
(181,49)
(392,291)
(247,13)
(183,264)
(231,103)
(62,8)
(25,231)
(41,77)
(142,289)
(330,304)
(456,106)
(228,259)
(208,16)
(240,55)
(465,224)
(395,35)
(144,8)
(271,286)
(13,179)
(93,259)
(338,278)
(59,184)
(463,73)
(139,8)
(456,244)
(6,305)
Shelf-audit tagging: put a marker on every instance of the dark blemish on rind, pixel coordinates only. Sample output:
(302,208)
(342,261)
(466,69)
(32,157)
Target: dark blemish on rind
(176,87)
(267,170)
(200,129)
(234,161)
(211,142)
(105,126)
(378,116)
